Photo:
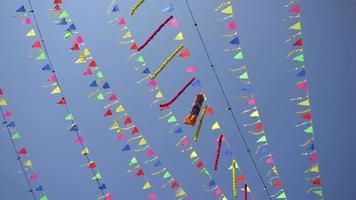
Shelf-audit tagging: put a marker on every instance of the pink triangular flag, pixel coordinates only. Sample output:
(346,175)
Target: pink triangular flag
(88,72)
(251,102)
(295,9)
(191,69)
(78,40)
(152,196)
(174,22)
(185,141)
(113,97)
(26,21)
(108,197)
(152,83)
(218,192)
(270,160)
(313,157)
(7,114)
(79,139)
(51,78)
(34,177)
(303,85)
(150,153)
(231,25)
(121,137)
(122,21)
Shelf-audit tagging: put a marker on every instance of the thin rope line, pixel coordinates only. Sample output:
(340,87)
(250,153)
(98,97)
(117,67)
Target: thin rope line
(58,84)
(226,99)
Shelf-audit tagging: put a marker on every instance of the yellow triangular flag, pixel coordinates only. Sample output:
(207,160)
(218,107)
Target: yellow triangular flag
(86,52)
(255,114)
(85,151)
(179,36)
(147,186)
(120,108)
(81,59)
(297,26)
(28,163)
(31,33)
(127,35)
(275,171)
(224,198)
(215,126)
(3,102)
(159,95)
(314,168)
(142,142)
(180,193)
(114,126)
(304,103)
(193,155)
(56,90)
(227,10)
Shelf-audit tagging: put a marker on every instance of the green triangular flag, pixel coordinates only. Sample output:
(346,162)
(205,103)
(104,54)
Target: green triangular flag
(299,58)
(167,175)
(44,198)
(16,136)
(262,139)
(133,161)
(100,97)
(97,176)
(41,56)
(62,14)
(100,75)
(282,195)
(68,34)
(172,119)
(140,59)
(206,172)
(239,56)
(244,76)
(69,117)
(309,129)
(318,192)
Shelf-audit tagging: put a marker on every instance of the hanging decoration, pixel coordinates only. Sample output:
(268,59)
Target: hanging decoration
(121,122)
(42,55)
(32,178)
(305,121)
(192,117)
(158,95)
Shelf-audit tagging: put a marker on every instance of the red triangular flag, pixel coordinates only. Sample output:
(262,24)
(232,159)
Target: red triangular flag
(108,113)
(92,63)
(277,183)
(200,164)
(57,1)
(92,165)
(174,185)
(140,173)
(127,121)
(113,97)
(87,72)
(209,110)
(36,44)
(134,130)
(1,93)
(316,181)
(134,46)
(185,53)
(240,178)
(22,151)
(62,101)
(298,43)
(56,8)
(307,116)
(75,47)
(259,127)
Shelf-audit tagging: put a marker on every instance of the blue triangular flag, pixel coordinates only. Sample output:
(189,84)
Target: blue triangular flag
(228,152)
(11,124)
(21,9)
(178,130)
(46,67)
(301,73)
(311,147)
(126,148)
(115,8)
(39,188)
(168,8)
(106,85)
(103,186)
(212,183)
(146,71)
(62,22)
(196,83)
(158,163)
(93,84)
(247,89)
(74,128)
(235,40)
(72,27)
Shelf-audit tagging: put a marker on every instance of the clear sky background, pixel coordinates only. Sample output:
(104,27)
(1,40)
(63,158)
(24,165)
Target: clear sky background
(329,41)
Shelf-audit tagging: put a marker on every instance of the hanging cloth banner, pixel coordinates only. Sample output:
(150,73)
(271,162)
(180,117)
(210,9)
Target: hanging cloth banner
(159,95)
(305,121)
(122,123)
(22,155)
(56,90)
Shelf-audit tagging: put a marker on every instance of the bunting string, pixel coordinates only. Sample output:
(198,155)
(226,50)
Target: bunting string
(57,90)
(136,144)
(178,94)
(296,56)
(22,154)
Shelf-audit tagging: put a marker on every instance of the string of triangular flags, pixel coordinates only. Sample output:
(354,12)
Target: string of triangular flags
(136,143)
(27,168)
(296,57)
(41,54)
(226,10)
(153,83)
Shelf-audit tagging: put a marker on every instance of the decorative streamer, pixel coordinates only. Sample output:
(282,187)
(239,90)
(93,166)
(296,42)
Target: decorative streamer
(178,94)
(136,6)
(216,163)
(245,192)
(192,117)
(165,63)
(197,132)
(57,90)
(159,96)
(234,177)
(155,33)
(297,57)
(22,154)
(104,92)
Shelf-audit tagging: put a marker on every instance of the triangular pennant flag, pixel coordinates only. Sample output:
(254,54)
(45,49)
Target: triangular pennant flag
(126,148)
(100,97)
(191,69)
(174,185)
(318,192)
(196,83)
(100,75)
(168,8)
(56,90)
(255,114)
(113,97)
(106,85)
(282,195)
(122,21)
(114,126)
(75,47)
(215,126)
(93,84)
(21,9)
(62,22)
(185,53)
(103,187)
(134,130)
(44,198)
(142,142)
(140,173)
(152,196)
(72,27)
(3,102)
(97,176)
(309,130)
(31,33)
(231,26)
(158,163)
(150,153)
(36,44)
(193,155)
(298,42)
(146,71)
(28,163)
(127,35)
(11,124)
(79,139)
(180,193)
(108,113)
(159,95)
(127,121)
(62,101)
(178,130)
(92,165)
(22,151)
(74,128)
(39,188)
(227,10)
(262,139)
(301,73)
(85,151)
(167,175)
(92,64)
(146,186)
(244,76)
(235,40)
(69,117)
(87,72)
(294,9)
(304,103)
(133,161)
(299,58)
(297,26)
(115,8)
(41,56)
(179,36)
(46,67)
(120,108)
(63,14)
(239,56)
(172,119)
(140,59)
(16,136)
(78,40)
